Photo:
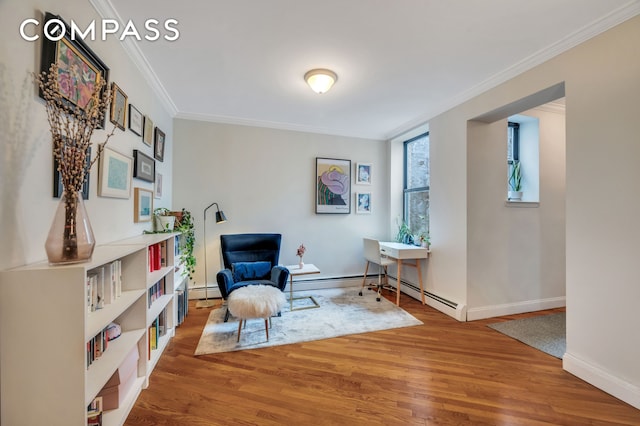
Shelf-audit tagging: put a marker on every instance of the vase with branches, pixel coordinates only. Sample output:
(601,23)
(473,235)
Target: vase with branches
(70,238)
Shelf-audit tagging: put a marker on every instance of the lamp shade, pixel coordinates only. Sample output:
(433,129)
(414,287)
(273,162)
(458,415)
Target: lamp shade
(220,217)
(320,80)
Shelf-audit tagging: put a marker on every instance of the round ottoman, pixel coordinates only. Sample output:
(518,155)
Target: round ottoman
(255,301)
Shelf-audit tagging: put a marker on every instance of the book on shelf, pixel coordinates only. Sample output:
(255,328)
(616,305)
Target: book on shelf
(156,290)
(94,412)
(97,346)
(104,285)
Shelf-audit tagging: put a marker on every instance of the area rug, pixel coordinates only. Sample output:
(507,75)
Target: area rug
(342,312)
(546,333)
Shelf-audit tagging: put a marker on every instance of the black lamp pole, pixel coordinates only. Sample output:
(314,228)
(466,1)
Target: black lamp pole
(220,218)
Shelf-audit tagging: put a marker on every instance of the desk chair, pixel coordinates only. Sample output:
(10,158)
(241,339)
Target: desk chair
(373,255)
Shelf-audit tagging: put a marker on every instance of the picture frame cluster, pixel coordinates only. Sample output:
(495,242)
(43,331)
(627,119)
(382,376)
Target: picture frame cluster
(115,169)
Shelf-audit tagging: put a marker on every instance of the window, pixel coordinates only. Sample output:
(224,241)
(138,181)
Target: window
(513,149)
(523,158)
(416,184)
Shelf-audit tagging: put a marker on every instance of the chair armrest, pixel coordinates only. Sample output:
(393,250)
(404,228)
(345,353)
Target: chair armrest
(280,275)
(225,280)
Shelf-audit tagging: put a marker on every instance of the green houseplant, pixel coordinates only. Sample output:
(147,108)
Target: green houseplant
(515,181)
(186,227)
(163,220)
(404,234)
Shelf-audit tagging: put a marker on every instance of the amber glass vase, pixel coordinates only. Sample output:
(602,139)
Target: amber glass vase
(70,238)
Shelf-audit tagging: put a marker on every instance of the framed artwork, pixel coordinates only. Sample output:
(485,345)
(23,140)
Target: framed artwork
(142,205)
(114,174)
(157,193)
(147,133)
(144,167)
(79,68)
(58,187)
(158,151)
(363,203)
(135,120)
(333,186)
(363,173)
(118,106)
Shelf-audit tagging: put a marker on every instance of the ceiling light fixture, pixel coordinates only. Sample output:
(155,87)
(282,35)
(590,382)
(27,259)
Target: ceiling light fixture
(320,80)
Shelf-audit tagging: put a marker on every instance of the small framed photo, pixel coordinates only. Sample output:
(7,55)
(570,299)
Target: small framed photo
(58,187)
(157,193)
(114,174)
(158,151)
(118,106)
(363,173)
(142,205)
(147,132)
(144,167)
(135,120)
(363,203)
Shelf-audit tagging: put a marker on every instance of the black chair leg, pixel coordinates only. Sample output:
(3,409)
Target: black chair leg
(226,315)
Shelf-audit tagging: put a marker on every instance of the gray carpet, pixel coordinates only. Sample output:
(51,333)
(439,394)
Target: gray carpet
(546,333)
(342,311)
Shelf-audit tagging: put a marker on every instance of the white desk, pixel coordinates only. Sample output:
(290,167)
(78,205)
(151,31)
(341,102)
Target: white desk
(401,253)
(294,270)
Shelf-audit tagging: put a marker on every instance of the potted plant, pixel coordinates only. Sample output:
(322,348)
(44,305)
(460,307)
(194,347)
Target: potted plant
(187,241)
(404,234)
(163,220)
(515,182)
(424,240)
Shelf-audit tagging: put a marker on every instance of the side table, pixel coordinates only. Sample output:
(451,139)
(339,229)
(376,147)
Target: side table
(295,270)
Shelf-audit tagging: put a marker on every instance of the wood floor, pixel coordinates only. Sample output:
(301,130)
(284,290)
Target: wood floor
(440,373)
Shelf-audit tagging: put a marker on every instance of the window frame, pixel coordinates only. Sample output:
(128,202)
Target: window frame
(407,191)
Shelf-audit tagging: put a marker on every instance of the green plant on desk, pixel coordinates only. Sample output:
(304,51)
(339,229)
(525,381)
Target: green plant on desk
(404,234)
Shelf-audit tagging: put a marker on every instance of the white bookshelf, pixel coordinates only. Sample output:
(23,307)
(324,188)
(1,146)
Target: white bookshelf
(45,324)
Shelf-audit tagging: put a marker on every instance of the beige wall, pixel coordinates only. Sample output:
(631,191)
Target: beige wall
(264,181)
(26,167)
(602,152)
(516,258)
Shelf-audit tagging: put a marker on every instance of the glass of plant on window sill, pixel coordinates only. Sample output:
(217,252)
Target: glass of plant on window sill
(515,182)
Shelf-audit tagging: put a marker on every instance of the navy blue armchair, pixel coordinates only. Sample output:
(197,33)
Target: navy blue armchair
(250,259)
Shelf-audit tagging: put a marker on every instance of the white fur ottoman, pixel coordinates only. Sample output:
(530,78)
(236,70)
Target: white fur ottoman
(255,301)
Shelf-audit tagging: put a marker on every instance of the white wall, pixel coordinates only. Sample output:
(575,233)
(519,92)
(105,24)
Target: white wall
(264,181)
(602,231)
(26,167)
(516,259)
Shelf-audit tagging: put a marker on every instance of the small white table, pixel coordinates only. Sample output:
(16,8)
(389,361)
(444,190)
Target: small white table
(401,253)
(295,270)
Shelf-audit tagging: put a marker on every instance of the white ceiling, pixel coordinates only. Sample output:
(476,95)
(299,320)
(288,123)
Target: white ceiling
(399,62)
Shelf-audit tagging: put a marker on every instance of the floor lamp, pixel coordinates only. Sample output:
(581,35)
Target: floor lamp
(220,218)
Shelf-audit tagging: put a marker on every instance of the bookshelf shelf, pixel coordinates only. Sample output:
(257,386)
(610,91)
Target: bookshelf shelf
(53,320)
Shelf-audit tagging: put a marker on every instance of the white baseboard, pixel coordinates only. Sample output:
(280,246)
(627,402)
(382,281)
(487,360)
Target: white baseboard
(515,308)
(601,379)
(213,292)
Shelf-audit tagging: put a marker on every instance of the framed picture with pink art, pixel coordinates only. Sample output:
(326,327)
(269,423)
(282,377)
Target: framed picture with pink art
(79,68)
(333,186)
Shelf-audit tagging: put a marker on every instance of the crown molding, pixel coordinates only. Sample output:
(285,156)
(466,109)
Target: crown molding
(587,32)
(222,119)
(106,10)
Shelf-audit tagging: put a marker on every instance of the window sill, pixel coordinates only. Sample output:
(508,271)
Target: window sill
(526,204)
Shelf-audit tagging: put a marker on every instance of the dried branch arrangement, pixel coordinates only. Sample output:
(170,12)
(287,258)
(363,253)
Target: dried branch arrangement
(71,127)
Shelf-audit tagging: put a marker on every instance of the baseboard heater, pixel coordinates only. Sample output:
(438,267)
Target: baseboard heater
(449,303)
